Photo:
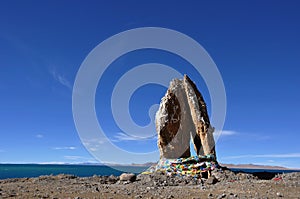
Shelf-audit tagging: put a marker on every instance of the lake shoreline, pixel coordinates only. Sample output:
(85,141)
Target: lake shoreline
(35,170)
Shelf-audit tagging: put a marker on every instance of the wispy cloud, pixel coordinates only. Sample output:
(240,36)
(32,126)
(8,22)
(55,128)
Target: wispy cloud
(252,136)
(80,158)
(95,144)
(286,155)
(93,141)
(73,157)
(39,136)
(94,149)
(65,148)
(124,137)
(51,162)
(218,133)
(61,79)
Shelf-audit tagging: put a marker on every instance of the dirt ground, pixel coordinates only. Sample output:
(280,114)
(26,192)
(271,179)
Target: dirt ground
(222,185)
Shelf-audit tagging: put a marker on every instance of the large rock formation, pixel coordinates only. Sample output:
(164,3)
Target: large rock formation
(182,116)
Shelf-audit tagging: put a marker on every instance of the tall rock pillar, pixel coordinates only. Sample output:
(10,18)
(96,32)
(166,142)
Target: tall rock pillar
(182,115)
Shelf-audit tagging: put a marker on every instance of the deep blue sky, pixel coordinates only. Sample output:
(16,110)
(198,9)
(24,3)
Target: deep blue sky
(255,45)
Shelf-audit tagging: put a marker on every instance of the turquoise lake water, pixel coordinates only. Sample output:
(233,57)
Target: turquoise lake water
(35,170)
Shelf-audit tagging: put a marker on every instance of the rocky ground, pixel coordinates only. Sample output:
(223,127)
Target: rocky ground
(222,184)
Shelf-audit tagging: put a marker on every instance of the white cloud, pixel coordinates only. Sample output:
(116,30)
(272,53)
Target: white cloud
(65,148)
(94,141)
(39,136)
(73,157)
(61,79)
(51,162)
(286,155)
(93,149)
(228,132)
(124,137)
(80,159)
(95,144)
(225,133)
(218,133)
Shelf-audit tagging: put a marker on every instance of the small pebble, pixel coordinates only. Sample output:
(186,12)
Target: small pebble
(279,194)
(222,196)
(128,177)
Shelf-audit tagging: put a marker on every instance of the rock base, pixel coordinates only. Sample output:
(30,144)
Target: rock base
(194,166)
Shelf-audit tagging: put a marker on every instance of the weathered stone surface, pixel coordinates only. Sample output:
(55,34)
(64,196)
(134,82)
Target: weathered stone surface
(128,177)
(200,118)
(182,114)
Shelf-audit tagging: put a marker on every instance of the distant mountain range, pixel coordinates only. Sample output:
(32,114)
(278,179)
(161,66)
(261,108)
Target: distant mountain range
(253,166)
(236,166)
(148,164)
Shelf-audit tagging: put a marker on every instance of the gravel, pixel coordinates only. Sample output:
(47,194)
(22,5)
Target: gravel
(222,184)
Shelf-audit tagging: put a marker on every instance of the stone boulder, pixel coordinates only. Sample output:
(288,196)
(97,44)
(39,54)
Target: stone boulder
(128,177)
(183,116)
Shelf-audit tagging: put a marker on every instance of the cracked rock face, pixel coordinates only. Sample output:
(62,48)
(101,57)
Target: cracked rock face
(182,116)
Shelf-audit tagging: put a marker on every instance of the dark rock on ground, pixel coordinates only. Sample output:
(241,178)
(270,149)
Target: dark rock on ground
(212,180)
